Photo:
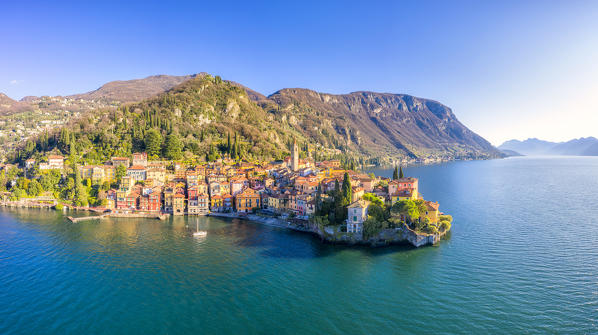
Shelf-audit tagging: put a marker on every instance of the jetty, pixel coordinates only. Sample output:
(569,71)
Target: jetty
(86,218)
(158,216)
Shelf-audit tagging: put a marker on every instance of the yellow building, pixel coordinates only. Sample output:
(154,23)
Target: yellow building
(86,171)
(109,173)
(178,204)
(97,174)
(247,200)
(157,174)
(215,203)
(431,211)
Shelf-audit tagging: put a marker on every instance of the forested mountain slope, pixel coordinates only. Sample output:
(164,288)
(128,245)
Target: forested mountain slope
(202,116)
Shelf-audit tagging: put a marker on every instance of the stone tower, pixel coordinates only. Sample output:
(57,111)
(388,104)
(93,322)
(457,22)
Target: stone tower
(295,157)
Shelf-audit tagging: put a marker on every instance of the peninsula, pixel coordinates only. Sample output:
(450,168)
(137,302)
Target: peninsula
(328,198)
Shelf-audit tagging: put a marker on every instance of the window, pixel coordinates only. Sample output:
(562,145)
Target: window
(355,218)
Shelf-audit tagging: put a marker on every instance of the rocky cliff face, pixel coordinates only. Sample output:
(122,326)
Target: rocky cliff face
(381,123)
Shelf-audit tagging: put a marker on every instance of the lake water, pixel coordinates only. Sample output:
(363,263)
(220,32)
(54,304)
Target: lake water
(522,257)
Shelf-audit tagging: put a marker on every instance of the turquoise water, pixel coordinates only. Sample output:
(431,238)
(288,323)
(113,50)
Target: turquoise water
(522,258)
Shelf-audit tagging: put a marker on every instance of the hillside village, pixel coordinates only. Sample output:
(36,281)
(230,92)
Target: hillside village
(294,188)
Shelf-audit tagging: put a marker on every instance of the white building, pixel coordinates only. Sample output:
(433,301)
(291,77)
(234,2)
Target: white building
(56,162)
(357,213)
(139,159)
(138,173)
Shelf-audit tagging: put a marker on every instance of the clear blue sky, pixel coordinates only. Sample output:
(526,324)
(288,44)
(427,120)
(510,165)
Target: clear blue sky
(508,69)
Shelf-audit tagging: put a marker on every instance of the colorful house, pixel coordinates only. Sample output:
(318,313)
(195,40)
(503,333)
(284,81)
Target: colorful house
(137,172)
(140,159)
(178,204)
(357,213)
(247,200)
(215,203)
(431,211)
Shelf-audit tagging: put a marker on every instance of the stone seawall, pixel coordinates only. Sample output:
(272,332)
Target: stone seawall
(390,236)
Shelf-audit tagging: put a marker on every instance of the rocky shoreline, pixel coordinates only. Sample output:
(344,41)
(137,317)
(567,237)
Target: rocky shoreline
(332,234)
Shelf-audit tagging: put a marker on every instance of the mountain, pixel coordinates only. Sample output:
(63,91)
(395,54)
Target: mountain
(511,153)
(34,115)
(133,90)
(380,124)
(8,105)
(203,111)
(587,146)
(112,93)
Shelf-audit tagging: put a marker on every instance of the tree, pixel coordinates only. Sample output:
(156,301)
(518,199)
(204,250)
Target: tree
(68,189)
(378,212)
(34,188)
(228,148)
(395,174)
(173,148)
(372,226)
(17,194)
(401,172)
(50,180)
(347,191)
(153,142)
(120,172)
(80,191)
(373,199)
(406,208)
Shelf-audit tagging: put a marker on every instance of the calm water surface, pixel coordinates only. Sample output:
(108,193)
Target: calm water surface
(522,258)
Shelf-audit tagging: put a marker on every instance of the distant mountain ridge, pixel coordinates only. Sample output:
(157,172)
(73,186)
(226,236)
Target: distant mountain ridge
(585,146)
(7,104)
(114,92)
(133,90)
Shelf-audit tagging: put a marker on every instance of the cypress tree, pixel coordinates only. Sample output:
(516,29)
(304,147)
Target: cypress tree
(337,210)
(228,148)
(347,191)
(395,174)
(401,172)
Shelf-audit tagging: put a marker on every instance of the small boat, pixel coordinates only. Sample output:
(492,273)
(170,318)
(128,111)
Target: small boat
(199,233)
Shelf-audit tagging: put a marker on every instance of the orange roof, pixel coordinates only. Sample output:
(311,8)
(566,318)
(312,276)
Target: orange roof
(407,180)
(136,167)
(432,205)
(55,157)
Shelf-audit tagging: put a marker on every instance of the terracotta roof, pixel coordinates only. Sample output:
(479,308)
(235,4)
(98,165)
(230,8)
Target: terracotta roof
(432,205)
(136,167)
(407,180)
(359,204)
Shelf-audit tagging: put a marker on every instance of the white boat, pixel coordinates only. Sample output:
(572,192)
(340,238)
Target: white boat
(199,233)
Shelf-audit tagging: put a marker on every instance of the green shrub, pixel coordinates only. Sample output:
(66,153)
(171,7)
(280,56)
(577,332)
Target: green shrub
(445,225)
(446,218)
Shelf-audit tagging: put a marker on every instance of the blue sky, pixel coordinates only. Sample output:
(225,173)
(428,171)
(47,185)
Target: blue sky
(508,69)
